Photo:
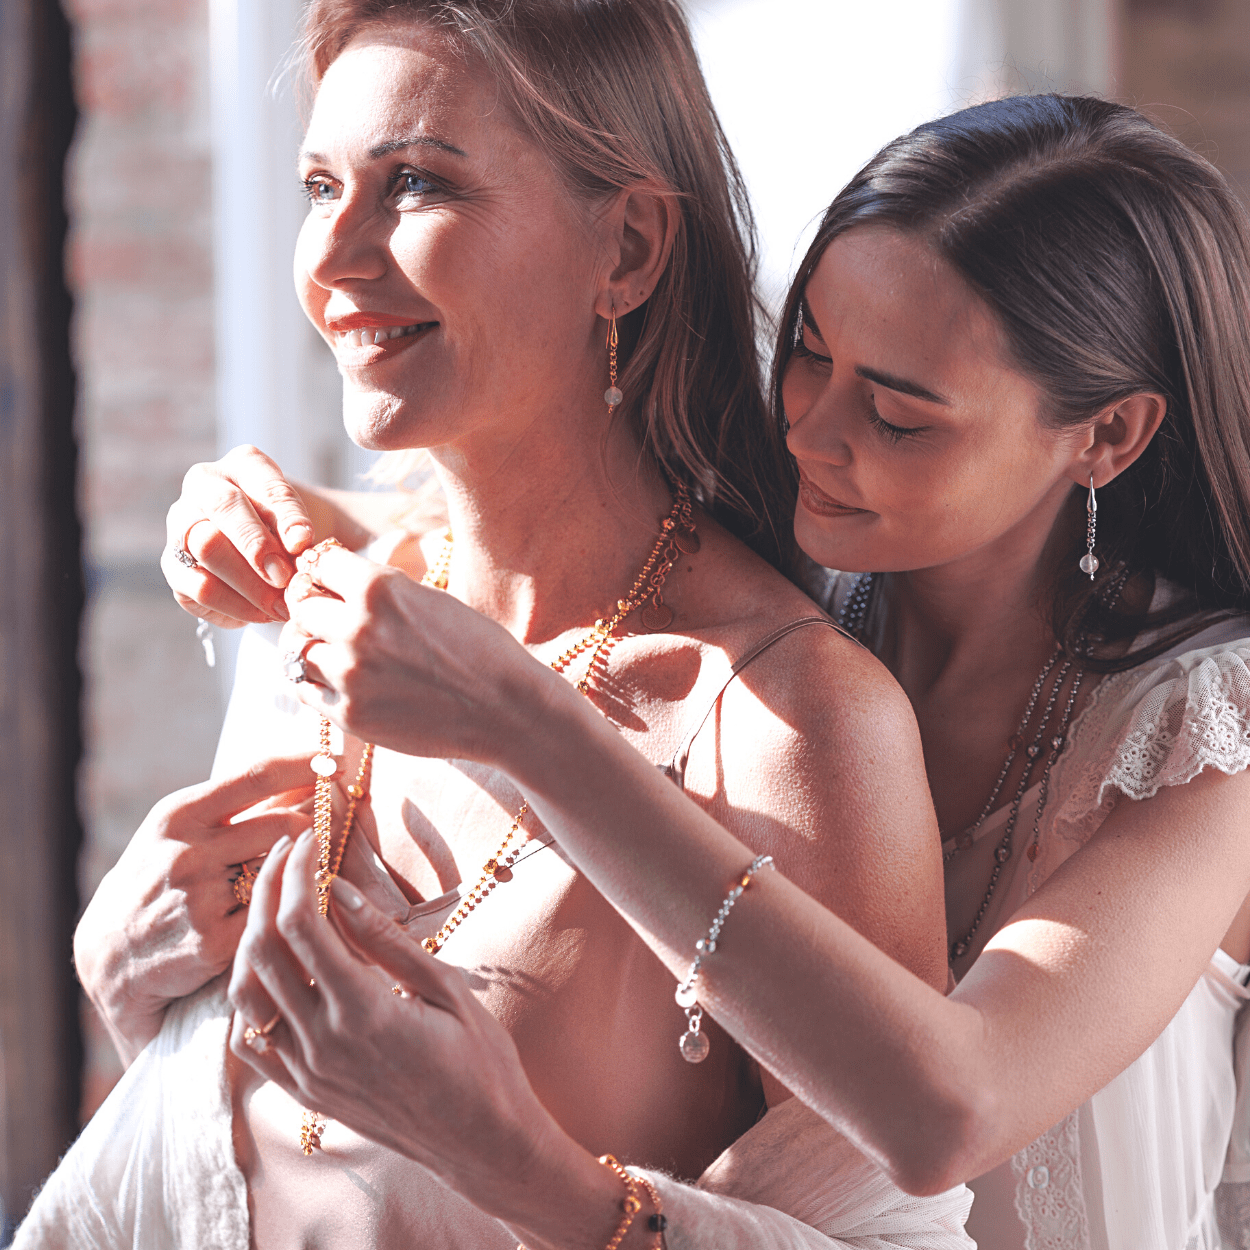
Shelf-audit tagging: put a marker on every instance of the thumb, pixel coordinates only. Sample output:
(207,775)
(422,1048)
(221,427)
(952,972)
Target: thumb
(379,940)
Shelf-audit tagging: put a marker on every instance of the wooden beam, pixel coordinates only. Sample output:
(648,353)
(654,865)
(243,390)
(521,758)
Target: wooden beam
(41,598)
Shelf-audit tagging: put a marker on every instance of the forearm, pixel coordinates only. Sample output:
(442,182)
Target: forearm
(873,1048)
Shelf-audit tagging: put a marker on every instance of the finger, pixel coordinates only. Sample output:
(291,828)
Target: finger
(266,979)
(380,941)
(216,491)
(216,801)
(249,839)
(317,614)
(266,1053)
(276,501)
(344,572)
(217,555)
(200,592)
(311,939)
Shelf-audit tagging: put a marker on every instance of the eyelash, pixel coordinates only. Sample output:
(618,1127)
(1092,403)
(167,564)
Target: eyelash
(894,433)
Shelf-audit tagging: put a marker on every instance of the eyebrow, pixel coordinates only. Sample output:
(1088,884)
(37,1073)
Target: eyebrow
(891,381)
(377,152)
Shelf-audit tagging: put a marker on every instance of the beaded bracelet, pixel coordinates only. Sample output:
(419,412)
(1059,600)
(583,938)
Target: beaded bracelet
(693,1044)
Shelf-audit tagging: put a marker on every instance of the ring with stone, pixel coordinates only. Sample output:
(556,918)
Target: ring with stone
(182,553)
(295,663)
(243,885)
(251,1034)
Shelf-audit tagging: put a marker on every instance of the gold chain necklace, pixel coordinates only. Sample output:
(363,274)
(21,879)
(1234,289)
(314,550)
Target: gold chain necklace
(677,536)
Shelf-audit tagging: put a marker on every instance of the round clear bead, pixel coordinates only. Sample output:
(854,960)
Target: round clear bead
(1089,563)
(613,396)
(694,1047)
(686,996)
(324,765)
(706,946)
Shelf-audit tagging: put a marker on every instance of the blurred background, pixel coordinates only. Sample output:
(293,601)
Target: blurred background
(147,321)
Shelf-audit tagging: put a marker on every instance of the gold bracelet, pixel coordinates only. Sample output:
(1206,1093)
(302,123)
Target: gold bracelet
(629,1205)
(657,1222)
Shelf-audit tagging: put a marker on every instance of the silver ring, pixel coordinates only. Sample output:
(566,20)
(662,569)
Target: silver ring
(295,666)
(185,558)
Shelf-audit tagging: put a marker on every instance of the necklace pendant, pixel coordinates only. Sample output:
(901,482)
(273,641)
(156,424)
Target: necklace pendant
(656,617)
(688,541)
(1014,743)
(323,764)
(1032,852)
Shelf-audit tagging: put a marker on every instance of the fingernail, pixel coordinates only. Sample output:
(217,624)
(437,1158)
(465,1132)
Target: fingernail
(298,533)
(277,572)
(347,894)
(279,610)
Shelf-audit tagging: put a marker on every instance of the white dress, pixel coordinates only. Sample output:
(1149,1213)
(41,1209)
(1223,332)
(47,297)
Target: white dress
(155,1167)
(1138,1165)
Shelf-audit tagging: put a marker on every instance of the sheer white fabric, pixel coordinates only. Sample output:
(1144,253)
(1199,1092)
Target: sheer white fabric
(1137,1167)
(155,1168)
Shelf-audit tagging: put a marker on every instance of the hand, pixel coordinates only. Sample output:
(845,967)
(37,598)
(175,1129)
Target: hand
(166,920)
(431,1075)
(243,523)
(411,668)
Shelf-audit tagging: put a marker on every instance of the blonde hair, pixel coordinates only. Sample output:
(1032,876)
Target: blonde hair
(612,93)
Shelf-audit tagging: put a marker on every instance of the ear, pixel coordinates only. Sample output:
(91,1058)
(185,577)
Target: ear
(1117,437)
(639,228)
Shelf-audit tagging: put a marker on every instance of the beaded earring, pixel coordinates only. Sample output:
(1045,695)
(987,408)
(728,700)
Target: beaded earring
(613,395)
(1089,561)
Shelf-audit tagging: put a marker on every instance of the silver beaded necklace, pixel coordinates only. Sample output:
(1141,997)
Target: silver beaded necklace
(851,617)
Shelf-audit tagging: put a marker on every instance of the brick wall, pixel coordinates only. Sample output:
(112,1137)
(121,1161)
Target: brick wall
(140,265)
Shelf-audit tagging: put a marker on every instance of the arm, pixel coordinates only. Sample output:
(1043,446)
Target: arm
(936,1089)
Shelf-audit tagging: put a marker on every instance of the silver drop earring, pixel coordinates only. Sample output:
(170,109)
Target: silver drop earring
(1089,561)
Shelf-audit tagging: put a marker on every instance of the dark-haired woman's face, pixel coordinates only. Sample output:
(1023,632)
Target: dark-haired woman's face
(918,445)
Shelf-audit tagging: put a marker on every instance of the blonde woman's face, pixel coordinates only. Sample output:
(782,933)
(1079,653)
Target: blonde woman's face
(441,260)
(917,443)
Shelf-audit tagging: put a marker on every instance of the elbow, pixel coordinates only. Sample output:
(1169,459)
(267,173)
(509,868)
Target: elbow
(946,1142)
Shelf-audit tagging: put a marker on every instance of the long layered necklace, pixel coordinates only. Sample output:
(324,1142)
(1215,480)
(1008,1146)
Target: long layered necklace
(1031,737)
(678,536)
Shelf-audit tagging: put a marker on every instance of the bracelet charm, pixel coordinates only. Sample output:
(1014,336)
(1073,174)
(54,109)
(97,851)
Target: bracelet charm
(693,1043)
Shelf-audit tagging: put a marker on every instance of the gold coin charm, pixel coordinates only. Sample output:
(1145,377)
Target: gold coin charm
(656,616)
(688,541)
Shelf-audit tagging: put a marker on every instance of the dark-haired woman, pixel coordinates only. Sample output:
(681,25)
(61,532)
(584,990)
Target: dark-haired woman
(481,253)
(1016,372)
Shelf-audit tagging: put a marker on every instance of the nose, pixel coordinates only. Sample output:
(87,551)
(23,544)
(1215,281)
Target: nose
(816,423)
(350,244)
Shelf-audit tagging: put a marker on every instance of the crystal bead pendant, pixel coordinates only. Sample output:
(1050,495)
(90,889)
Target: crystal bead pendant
(694,1046)
(1089,563)
(613,396)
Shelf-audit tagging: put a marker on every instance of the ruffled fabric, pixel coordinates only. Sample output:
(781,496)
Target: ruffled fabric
(1144,730)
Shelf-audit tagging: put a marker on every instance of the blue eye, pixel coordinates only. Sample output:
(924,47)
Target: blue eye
(320,190)
(409,183)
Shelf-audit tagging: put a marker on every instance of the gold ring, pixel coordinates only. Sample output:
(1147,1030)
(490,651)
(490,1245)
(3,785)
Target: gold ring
(307,561)
(250,1034)
(243,885)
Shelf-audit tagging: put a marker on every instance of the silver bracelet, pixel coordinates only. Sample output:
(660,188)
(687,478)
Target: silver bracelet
(693,1044)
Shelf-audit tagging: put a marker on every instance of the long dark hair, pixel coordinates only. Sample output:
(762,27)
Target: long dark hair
(1117,261)
(612,92)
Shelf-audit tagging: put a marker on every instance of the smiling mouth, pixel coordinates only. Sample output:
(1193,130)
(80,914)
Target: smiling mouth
(377,336)
(815,500)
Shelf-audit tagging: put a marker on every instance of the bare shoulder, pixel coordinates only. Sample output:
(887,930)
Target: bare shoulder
(814,756)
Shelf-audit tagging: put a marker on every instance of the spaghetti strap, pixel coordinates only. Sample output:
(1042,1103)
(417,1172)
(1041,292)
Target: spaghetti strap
(676,767)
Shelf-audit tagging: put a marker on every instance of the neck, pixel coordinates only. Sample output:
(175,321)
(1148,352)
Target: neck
(984,615)
(551,531)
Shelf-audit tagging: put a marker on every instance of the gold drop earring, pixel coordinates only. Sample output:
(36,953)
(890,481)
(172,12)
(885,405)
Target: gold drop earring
(1089,561)
(613,395)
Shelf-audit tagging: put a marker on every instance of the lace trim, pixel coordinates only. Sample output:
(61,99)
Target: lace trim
(1141,732)
(1049,1197)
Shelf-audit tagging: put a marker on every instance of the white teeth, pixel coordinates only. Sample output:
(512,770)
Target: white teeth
(371,338)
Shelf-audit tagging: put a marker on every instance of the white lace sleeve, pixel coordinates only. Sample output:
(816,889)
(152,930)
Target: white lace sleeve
(794,1183)
(1148,728)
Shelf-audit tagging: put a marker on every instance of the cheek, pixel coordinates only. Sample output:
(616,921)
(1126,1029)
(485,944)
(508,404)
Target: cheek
(312,297)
